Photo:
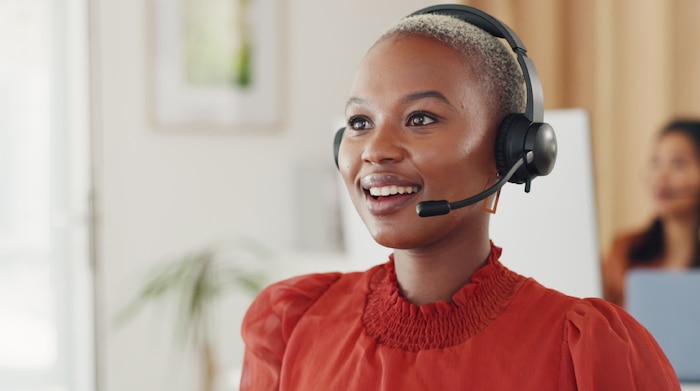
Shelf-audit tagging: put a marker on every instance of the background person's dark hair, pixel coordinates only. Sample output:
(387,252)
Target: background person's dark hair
(649,246)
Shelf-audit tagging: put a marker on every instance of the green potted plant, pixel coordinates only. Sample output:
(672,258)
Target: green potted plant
(194,283)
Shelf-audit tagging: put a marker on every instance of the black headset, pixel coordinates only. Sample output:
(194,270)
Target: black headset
(519,133)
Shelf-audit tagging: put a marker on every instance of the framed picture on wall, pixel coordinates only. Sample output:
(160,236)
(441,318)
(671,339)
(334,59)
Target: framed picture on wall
(214,63)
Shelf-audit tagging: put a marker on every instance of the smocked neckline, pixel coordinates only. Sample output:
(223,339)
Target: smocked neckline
(393,321)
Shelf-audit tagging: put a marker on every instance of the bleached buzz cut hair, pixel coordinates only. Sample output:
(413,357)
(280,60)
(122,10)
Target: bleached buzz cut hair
(492,61)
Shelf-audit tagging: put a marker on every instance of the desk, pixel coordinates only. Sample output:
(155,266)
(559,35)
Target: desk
(690,387)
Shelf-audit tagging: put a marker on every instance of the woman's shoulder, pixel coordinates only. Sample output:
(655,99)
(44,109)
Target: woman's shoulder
(592,317)
(589,315)
(270,319)
(308,286)
(616,258)
(291,295)
(603,339)
(593,313)
(600,345)
(273,316)
(623,240)
(279,307)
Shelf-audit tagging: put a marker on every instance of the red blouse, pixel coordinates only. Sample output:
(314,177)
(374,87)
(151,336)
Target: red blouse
(501,331)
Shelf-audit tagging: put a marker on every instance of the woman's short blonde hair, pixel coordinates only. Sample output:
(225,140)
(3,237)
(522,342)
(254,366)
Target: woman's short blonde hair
(489,57)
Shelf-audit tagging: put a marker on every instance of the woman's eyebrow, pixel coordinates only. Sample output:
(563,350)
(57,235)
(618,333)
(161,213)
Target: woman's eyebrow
(356,101)
(427,94)
(408,98)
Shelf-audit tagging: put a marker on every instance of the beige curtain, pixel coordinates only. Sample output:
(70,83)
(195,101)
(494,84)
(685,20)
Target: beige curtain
(633,64)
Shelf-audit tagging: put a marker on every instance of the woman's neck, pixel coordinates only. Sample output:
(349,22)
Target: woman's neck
(680,236)
(428,276)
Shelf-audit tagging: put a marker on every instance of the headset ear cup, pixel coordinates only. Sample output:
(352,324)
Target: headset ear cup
(510,146)
(542,141)
(502,162)
(517,136)
(336,144)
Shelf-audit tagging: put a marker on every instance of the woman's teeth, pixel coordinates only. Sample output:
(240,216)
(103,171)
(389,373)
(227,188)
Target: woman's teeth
(392,190)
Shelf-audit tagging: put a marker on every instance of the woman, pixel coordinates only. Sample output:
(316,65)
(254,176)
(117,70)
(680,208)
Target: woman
(443,313)
(672,238)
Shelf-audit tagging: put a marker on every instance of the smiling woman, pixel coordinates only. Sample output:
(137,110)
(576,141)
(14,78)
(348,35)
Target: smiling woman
(671,240)
(404,129)
(440,108)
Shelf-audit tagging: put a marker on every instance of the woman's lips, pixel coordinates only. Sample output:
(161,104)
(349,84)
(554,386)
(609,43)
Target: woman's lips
(390,190)
(386,193)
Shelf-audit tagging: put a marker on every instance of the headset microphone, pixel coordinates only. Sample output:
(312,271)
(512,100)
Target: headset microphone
(443,207)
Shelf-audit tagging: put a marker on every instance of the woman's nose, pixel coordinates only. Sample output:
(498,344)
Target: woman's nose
(385,145)
(659,172)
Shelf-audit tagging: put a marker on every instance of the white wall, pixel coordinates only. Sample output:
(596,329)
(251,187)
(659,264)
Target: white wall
(161,193)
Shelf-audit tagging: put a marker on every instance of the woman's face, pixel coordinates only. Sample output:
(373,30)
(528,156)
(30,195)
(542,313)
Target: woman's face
(675,176)
(418,128)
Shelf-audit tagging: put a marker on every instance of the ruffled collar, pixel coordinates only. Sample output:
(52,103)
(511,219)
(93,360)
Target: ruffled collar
(393,321)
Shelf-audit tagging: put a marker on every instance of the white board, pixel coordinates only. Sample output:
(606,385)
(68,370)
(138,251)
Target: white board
(549,234)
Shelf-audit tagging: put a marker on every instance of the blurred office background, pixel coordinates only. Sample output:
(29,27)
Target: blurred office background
(94,190)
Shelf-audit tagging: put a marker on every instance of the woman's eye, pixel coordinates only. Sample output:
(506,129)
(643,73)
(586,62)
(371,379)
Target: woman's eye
(359,123)
(420,119)
(679,163)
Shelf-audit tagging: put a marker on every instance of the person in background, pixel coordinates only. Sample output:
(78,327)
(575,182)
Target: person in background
(672,239)
(442,313)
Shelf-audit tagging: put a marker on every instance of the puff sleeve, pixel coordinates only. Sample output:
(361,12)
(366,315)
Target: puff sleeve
(269,323)
(605,348)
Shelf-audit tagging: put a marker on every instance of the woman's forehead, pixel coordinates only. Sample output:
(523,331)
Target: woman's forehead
(407,65)
(413,60)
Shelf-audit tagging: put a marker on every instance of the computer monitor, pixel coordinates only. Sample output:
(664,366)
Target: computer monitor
(667,303)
